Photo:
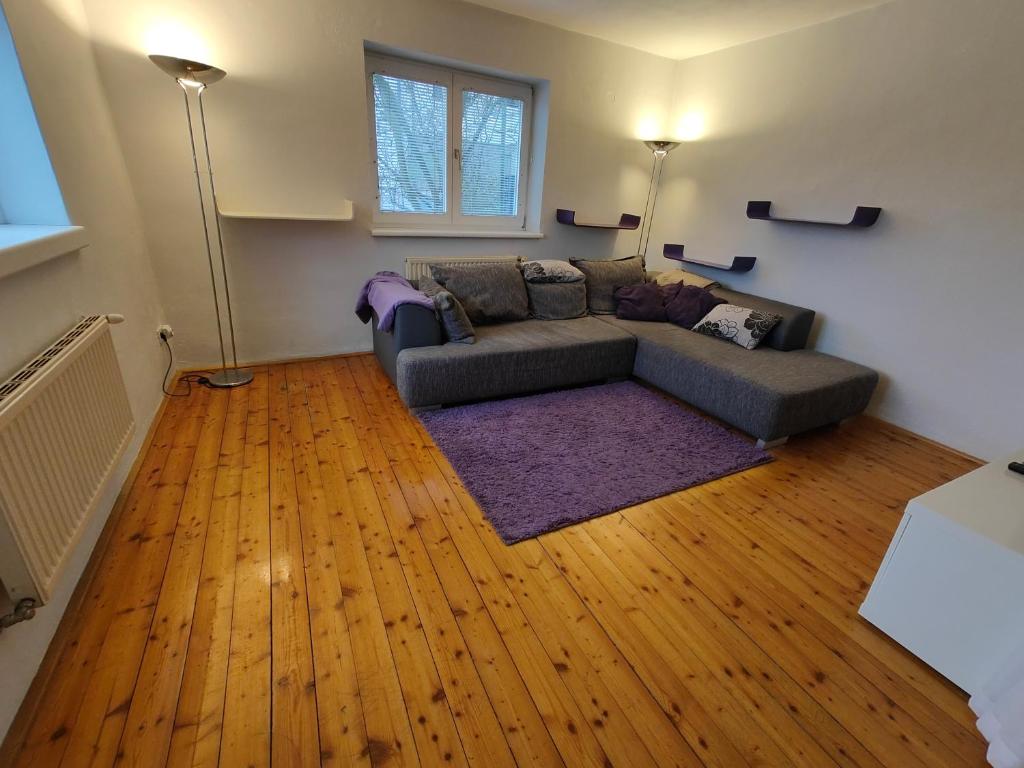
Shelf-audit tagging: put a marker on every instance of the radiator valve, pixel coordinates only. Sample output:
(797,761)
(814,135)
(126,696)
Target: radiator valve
(23,611)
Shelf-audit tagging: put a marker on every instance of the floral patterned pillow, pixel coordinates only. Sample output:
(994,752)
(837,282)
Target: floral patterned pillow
(746,327)
(550,271)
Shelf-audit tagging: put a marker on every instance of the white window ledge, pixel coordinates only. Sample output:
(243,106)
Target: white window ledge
(25,245)
(511,234)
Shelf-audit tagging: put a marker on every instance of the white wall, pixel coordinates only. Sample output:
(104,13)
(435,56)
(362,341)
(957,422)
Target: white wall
(290,122)
(114,274)
(917,107)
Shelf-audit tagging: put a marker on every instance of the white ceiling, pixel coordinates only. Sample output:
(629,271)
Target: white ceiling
(679,29)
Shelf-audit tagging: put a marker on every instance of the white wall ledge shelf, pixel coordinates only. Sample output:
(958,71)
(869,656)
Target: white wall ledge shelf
(674,251)
(344,212)
(568,217)
(863,217)
(25,245)
(517,234)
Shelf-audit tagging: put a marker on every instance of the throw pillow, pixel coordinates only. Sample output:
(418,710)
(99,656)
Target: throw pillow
(603,277)
(673,276)
(686,305)
(645,301)
(557,301)
(550,271)
(454,321)
(746,327)
(490,293)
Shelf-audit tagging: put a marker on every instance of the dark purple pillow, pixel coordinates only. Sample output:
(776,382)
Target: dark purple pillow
(640,302)
(686,305)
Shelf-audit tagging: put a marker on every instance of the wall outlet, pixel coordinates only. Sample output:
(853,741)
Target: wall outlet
(164,331)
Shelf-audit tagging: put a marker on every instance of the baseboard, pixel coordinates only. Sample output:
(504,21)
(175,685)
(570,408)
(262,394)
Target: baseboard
(278,361)
(935,443)
(22,722)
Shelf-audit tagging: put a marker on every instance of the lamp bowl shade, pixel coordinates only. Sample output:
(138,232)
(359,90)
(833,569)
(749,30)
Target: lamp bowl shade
(660,146)
(185,69)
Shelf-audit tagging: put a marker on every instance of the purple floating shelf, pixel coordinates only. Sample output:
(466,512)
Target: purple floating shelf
(567,217)
(863,217)
(739,263)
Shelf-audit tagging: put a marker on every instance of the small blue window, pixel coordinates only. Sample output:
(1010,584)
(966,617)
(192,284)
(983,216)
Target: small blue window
(29,193)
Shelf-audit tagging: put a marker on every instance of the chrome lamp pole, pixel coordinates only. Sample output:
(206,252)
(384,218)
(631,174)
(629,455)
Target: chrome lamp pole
(194,76)
(659,149)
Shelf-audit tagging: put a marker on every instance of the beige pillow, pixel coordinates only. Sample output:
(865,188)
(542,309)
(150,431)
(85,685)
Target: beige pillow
(673,276)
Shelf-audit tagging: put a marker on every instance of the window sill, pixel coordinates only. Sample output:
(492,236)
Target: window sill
(24,245)
(517,234)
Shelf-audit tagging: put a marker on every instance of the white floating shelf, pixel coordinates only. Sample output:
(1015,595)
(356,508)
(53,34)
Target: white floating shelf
(342,213)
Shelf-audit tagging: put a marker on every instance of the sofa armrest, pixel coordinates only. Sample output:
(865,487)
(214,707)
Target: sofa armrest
(795,328)
(415,326)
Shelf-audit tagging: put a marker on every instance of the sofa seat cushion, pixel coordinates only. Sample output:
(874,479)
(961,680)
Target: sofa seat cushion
(765,392)
(512,358)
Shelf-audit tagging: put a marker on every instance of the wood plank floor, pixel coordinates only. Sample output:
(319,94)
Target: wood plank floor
(296,577)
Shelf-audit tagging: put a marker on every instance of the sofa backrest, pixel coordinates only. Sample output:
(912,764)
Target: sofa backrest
(791,333)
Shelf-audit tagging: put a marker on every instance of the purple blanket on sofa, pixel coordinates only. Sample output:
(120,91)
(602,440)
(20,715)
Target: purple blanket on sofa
(384,293)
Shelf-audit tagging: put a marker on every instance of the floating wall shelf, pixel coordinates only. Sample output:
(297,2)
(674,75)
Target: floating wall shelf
(626,221)
(739,263)
(342,213)
(865,216)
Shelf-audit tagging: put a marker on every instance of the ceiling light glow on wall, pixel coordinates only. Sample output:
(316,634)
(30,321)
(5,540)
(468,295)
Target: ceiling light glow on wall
(648,127)
(691,126)
(176,39)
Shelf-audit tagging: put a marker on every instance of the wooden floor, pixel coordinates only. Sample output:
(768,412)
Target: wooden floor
(297,577)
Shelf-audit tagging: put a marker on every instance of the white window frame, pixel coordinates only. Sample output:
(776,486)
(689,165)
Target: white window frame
(452,221)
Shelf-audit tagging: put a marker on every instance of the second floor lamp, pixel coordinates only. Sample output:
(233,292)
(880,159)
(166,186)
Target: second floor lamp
(659,148)
(194,77)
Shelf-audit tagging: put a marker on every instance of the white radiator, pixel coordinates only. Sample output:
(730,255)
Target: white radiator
(419,266)
(64,423)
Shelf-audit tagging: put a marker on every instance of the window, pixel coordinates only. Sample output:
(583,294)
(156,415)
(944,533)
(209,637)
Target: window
(450,149)
(34,224)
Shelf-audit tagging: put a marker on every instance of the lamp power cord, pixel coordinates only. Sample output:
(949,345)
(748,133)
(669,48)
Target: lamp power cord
(195,377)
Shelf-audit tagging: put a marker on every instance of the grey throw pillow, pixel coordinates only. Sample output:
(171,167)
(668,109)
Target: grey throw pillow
(490,293)
(456,324)
(454,320)
(557,301)
(603,277)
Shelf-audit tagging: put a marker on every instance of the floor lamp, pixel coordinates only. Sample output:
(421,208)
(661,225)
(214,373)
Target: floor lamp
(659,148)
(194,76)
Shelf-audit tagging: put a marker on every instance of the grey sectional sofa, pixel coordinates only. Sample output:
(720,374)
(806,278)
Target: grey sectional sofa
(777,390)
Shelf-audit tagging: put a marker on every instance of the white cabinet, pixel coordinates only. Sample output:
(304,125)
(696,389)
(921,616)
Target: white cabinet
(951,586)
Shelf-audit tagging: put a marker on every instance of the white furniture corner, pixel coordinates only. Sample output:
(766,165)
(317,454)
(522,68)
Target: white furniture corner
(343,211)
(951,586)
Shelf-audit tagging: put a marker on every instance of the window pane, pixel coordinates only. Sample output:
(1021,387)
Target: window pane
(411,121)
(492,135)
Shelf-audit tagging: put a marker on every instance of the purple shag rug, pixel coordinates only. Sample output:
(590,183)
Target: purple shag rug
(545,461)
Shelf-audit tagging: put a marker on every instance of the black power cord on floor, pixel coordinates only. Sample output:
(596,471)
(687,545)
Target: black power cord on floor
(189,379)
